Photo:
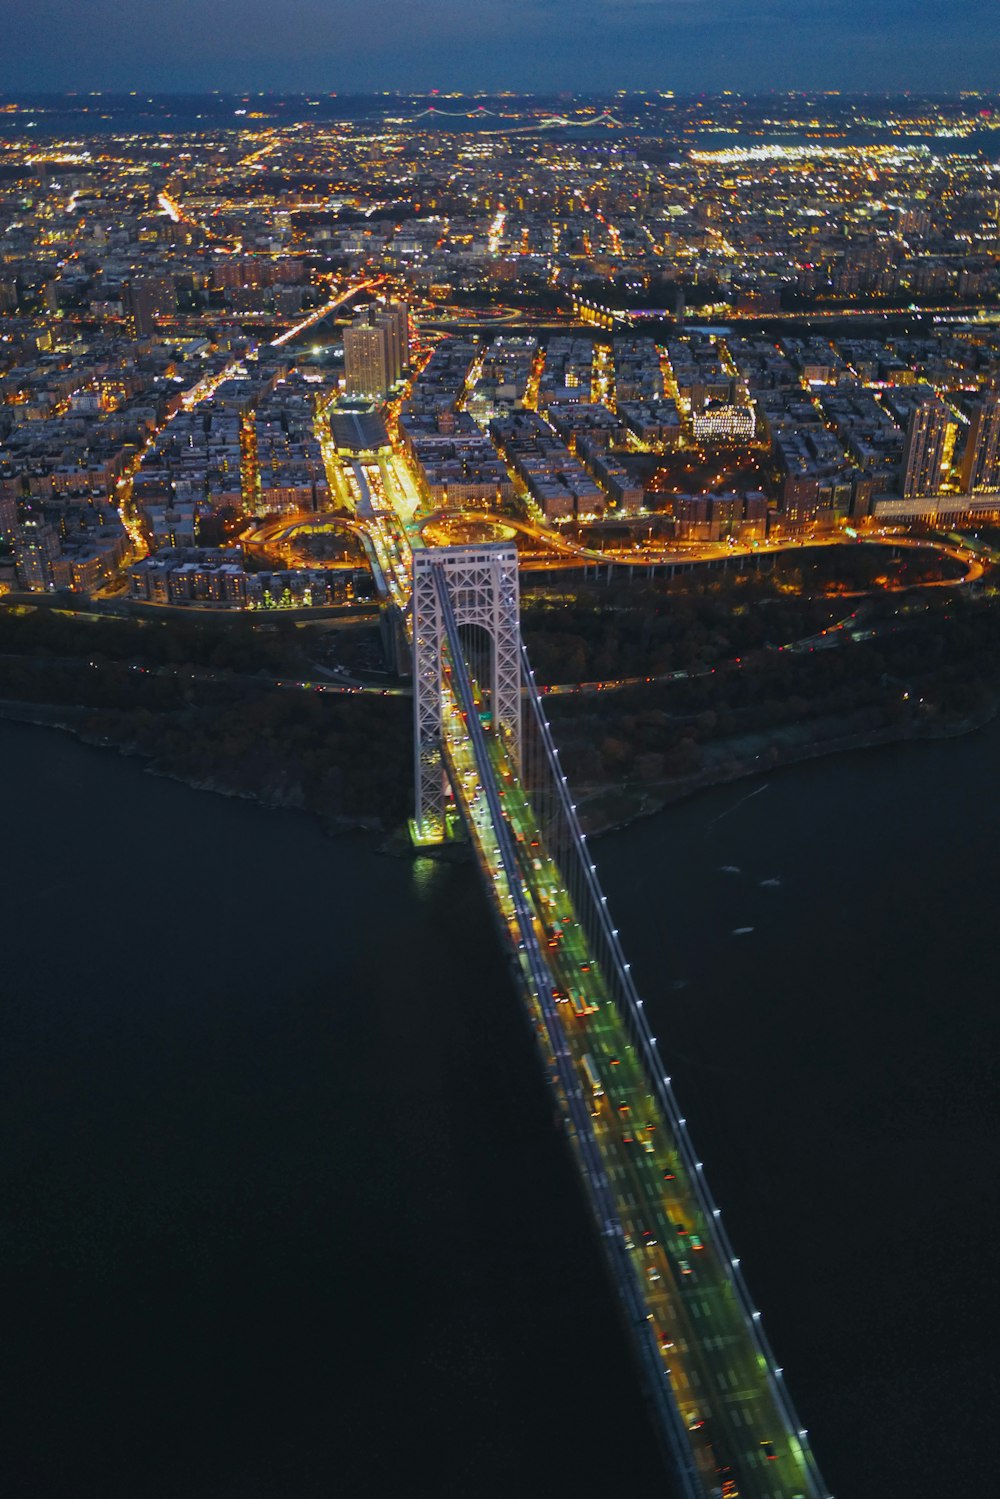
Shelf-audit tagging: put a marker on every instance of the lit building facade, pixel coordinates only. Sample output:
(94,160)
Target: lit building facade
(981,465)
(376,348)
(925,451)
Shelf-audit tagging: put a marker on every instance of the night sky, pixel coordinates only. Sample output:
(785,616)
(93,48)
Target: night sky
(354,46)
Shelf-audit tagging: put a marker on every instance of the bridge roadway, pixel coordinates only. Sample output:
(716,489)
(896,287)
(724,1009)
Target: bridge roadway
(724,1386)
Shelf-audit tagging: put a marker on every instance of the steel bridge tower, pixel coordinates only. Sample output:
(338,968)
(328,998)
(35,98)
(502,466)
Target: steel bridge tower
(482,586)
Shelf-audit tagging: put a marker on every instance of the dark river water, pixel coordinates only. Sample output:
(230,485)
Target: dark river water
(283,1208)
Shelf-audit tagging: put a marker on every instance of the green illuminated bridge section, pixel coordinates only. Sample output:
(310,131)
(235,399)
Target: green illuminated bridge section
(715,1391)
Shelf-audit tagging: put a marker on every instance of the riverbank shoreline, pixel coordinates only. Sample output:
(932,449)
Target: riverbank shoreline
(655,797)
(606,808)
(71,721)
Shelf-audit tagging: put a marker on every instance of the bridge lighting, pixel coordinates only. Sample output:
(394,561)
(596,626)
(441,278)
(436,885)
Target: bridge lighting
(716,1212)
(699,1166)
(756,1316)
(736,1263)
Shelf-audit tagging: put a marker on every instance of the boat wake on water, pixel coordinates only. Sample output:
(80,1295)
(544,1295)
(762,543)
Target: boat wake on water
(735,808)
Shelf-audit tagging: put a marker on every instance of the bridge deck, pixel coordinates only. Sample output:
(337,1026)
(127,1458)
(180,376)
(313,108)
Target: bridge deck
(723,1384)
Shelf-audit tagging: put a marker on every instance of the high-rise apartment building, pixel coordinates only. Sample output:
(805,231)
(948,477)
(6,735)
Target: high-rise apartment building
(395,318)
(366,359)
(376,348)
(36,547)
(926,449)
(8,510)
(144,299)
(981,464)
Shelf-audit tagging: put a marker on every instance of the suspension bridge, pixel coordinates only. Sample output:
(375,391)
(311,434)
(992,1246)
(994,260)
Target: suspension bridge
(486,766)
